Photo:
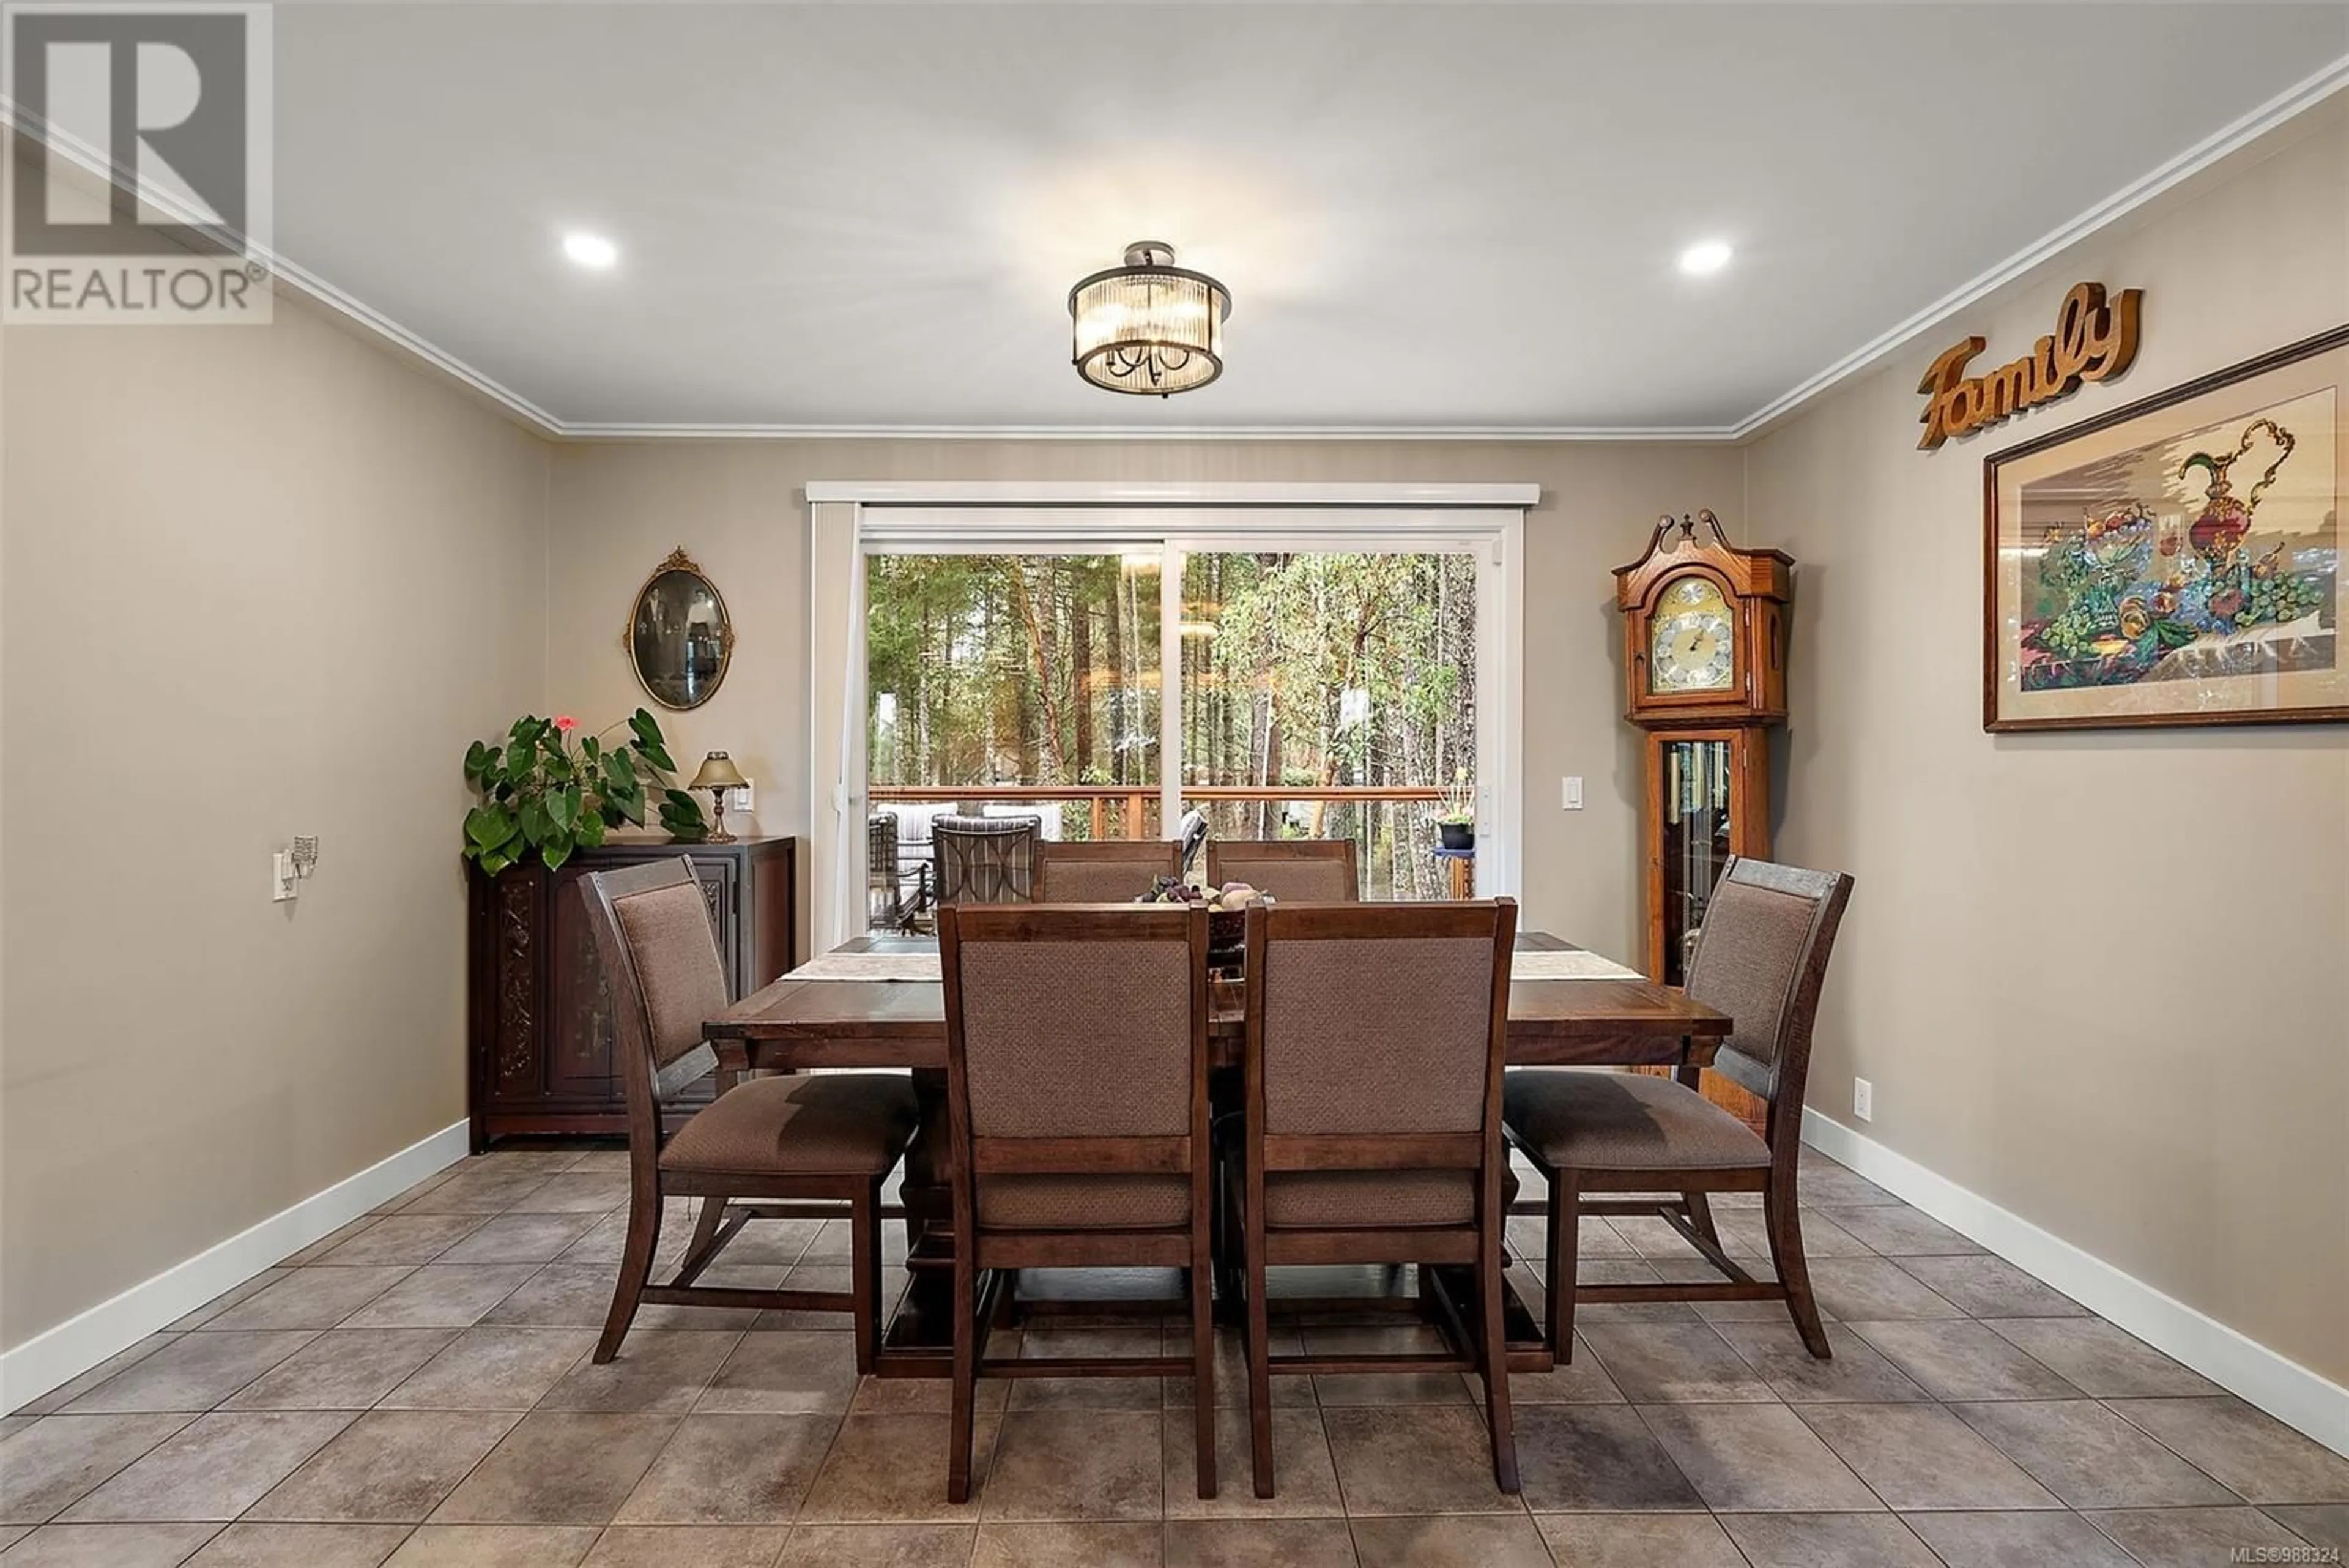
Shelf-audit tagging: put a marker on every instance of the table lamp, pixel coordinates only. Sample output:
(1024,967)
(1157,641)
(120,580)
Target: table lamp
(718,775)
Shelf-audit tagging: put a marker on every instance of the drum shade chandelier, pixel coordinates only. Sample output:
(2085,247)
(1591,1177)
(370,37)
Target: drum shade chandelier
(1149,327)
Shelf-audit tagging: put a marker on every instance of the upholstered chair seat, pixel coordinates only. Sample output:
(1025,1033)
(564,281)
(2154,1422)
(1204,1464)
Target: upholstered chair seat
(1624,1121)
(835,1125)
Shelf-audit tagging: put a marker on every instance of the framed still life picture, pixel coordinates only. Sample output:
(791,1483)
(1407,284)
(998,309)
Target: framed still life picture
(2177,561)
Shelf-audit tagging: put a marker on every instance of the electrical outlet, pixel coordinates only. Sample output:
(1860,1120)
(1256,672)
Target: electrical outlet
(1863,1099)
(283,882)
(1573,792)
(739,798)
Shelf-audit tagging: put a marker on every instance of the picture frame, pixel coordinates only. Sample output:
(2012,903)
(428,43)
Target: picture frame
(2177,561)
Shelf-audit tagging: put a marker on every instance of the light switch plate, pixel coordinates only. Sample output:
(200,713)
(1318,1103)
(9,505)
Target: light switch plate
(1573,792)
(281,883)
(739,798)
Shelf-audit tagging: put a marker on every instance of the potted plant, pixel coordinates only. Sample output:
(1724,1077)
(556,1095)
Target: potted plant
(541,791)
(1456,824)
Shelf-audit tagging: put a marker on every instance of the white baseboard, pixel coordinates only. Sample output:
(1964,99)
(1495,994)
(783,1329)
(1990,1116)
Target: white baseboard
(64,1353)
(2290,1392)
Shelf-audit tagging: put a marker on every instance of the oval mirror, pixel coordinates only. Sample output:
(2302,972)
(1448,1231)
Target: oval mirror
(678,636)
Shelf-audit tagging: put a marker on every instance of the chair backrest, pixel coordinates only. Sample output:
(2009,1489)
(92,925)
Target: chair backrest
(1761,957)
(1297,871)
(1377,1035)
(986,859)
(662,967)
(881,868)
(1103,870)
(1076,1040)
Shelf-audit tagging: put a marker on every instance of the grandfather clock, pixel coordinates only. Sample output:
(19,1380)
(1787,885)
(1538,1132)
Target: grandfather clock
(1704,628)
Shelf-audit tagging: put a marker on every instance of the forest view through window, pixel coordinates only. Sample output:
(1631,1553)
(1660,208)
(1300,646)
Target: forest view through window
(1318,694)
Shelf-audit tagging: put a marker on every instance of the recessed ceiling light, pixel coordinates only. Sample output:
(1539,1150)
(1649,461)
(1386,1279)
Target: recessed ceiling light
(1706,257)
(590,250)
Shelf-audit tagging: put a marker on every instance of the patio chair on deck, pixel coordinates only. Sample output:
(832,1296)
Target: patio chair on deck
(986,859)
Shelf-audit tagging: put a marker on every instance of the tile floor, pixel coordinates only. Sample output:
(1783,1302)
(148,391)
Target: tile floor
(415,1389)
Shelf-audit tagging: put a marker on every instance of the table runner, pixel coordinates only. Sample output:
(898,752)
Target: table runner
(917,967)
(913,966)
(1567,966)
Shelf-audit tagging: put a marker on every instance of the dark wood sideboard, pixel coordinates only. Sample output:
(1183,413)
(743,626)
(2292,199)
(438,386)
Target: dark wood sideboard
(539,1022)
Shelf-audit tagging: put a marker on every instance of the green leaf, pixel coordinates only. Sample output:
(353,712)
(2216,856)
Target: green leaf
(632,806)
(563,808)
(536,826)
(554,850)
(655,755)
(494,861)
(645,728)
(621,769)
(590,831)
(489,825)
(477,757)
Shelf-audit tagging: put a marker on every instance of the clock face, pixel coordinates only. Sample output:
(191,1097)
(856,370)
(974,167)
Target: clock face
(1692,640)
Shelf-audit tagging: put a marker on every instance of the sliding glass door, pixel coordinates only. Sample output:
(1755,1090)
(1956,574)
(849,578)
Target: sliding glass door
(1322,681)
(1332,694)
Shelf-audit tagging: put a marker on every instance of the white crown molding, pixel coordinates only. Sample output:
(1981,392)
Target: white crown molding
(1152,433)
(2294,101)
(2287,105)
(1089,493)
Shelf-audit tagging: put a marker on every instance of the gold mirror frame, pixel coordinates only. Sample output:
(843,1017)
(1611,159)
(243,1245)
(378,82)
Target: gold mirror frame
(678,561)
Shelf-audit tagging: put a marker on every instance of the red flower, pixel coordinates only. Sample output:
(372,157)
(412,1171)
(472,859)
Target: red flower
(566,722)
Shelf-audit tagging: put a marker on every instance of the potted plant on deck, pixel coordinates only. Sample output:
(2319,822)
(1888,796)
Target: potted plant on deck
(541,792)
(1456,824)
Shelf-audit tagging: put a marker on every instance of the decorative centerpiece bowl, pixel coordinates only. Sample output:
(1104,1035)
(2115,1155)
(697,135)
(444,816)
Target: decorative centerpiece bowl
(1227,908)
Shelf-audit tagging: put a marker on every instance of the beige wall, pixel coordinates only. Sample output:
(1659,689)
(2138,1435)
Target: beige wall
(257,581)
(739,508)
(2100,979)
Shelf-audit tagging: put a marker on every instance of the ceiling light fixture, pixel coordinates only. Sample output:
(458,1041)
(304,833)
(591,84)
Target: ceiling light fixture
(1149,327)
(590,250)
(1706,257)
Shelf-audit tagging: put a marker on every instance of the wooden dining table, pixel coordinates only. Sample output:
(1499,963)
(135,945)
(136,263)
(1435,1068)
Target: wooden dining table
(798,1023)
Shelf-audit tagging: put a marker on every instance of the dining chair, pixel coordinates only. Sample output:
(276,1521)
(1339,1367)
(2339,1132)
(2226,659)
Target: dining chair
(1372,1126)
(774,1148)
(1104,870)
(1077,1098)
(1761,956)
(984,859)
(884,896)
(1293,870)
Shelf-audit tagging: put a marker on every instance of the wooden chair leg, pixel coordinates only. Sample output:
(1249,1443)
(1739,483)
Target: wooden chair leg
(864,1273)
(1203,1371)
(705,1231)
(635,1269)
(1783,1217)
(1700,1213)
(964,1397)
(1496,1362)
(1259,1360)
(1565,1247)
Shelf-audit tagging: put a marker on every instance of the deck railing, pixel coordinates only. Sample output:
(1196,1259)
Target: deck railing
(1133,800)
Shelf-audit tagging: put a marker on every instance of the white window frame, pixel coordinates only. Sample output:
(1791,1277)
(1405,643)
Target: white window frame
(850,523)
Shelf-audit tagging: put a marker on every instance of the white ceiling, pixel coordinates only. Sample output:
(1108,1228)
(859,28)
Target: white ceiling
(1435,215)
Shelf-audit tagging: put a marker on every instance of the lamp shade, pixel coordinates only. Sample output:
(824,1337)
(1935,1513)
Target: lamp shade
(717,772)
(1149,327)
